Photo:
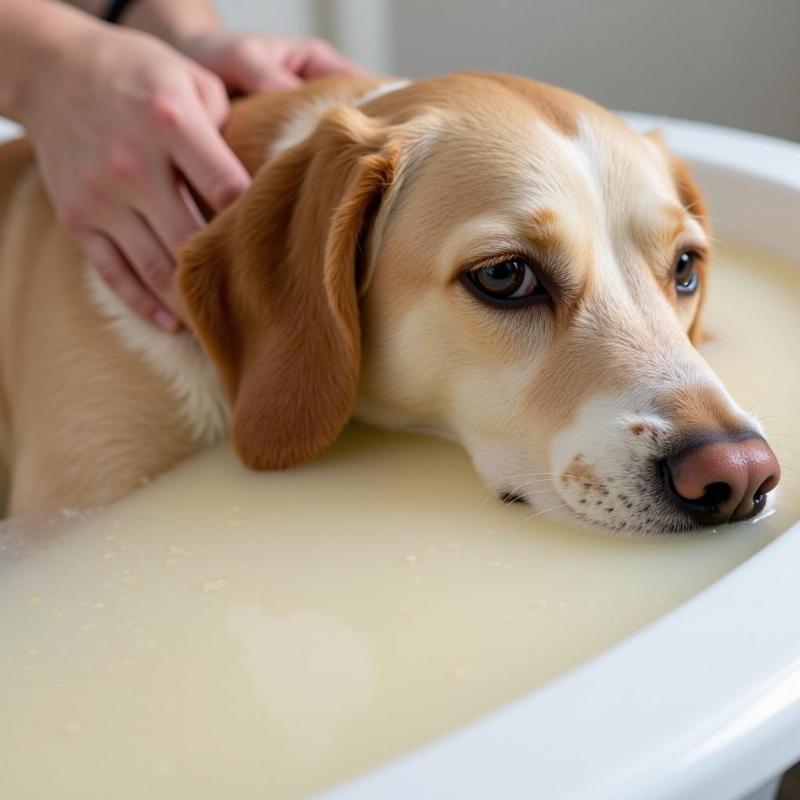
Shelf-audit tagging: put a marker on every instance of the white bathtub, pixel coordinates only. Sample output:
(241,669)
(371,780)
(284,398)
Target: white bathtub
(705,702)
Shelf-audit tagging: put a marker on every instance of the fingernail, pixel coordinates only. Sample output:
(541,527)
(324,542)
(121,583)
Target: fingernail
(166,321)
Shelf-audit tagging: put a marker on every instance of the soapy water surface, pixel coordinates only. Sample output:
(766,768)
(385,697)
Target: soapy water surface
(223,633)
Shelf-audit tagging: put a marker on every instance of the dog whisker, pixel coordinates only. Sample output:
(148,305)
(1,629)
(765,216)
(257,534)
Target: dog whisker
(545,511)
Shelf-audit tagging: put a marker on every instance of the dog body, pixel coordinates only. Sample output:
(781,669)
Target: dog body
(83,417)
(478,256)
(94,401)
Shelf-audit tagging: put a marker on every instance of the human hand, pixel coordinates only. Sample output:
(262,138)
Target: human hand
(252,63)
(122,125)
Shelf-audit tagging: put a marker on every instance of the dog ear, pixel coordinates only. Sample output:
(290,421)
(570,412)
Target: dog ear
(692,200)
(271,289)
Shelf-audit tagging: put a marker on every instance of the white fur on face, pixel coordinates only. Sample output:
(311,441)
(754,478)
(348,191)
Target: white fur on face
(601,469)
(450,362)
(606,465)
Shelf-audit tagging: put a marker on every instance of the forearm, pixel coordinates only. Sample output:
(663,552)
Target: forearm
(34,36)
(173,21)
(94,7)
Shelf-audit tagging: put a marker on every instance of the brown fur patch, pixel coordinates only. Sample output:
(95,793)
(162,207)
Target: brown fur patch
(556,107)
(578,471)
(541,228)
(699,408)
(257,121)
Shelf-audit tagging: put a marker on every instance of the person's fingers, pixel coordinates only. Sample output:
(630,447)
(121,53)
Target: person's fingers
(316,59)
(252,69)
(249,65)
(118,275)
(251,78)
(203,157)
(212,92)
(152,264)
(171,212)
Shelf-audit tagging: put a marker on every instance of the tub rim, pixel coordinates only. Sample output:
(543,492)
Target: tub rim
(705,700)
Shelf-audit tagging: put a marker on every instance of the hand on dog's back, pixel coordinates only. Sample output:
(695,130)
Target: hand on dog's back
(123,124)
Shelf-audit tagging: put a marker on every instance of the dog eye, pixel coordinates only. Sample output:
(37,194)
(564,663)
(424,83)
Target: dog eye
(686,277)
(512,282)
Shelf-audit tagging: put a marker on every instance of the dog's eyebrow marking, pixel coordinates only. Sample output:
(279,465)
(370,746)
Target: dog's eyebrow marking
(657,234)
(564,257)
(664,239)
(542,230)
(679,220)
(658,225)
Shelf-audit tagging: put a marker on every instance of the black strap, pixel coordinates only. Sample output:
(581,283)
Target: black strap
(116,9)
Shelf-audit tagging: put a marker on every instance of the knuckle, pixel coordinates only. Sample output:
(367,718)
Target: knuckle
(156,271)
(320,45)
(106,269)
(224,191)
(92,193)
(135,298)
(216,85)
(165,109)
(122,162)
(142,304)
(217,95)
(245,47)
(71,217)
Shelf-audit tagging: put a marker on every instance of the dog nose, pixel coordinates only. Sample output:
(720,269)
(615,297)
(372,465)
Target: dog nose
(722,481)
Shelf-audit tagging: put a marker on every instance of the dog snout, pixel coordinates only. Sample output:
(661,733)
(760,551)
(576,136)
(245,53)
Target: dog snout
(723,480)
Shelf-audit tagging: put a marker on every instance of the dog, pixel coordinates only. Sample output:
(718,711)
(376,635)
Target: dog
(479,256)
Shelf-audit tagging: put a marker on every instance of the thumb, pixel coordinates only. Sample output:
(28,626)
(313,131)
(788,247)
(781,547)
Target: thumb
(254,72)
(213,95)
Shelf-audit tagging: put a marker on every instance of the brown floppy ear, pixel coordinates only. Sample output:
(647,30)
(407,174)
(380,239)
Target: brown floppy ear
(271,288)
(692,200)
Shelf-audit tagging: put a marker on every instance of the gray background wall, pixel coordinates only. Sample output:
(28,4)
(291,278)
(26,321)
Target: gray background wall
(733,62)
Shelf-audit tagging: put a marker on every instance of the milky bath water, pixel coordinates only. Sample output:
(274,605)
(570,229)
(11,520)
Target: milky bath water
(223,633)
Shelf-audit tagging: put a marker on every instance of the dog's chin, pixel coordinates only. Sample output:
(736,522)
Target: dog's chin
(635,510)
(550,504)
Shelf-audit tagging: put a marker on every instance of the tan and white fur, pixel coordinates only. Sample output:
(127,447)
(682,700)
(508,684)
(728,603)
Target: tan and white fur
(333,287)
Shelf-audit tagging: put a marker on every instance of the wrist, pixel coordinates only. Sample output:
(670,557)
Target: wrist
(177,22)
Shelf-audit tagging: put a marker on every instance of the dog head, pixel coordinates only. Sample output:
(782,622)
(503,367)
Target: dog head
(496,261)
